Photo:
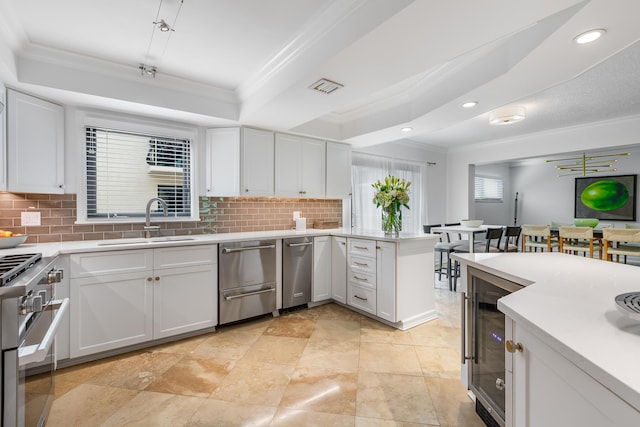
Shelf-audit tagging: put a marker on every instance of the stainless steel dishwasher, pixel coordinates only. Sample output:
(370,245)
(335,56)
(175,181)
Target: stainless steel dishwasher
(297,261)
(246,279)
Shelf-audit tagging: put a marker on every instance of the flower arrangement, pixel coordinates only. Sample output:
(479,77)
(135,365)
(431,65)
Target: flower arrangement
(391,194)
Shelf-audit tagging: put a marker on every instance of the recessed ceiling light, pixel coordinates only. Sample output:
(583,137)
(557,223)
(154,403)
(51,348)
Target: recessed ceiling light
(406,129)
(470,104)
(505,116)
(589,36)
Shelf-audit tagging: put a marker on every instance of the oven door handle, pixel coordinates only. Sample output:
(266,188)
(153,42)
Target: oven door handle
(38,352)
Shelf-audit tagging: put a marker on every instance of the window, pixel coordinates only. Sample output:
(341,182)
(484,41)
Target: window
(366,170)
(488,189)
(125,170)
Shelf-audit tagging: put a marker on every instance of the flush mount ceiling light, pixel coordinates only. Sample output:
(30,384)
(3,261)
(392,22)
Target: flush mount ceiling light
(469,104)
(325,86)
(406,129)
(506,116)
(587,164)
(589,36)
(146,70)
(163,26)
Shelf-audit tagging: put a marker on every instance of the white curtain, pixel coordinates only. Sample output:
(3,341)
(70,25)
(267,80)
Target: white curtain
(368,169)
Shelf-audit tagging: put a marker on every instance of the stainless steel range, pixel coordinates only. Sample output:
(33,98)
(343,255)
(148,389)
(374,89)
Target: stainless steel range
(30,318)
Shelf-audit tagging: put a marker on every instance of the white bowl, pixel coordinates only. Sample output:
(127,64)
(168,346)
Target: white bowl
(12,242)
(471,222)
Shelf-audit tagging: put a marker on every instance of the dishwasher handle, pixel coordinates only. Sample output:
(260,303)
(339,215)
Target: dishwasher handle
(246,294)
(294,245)
(248,248)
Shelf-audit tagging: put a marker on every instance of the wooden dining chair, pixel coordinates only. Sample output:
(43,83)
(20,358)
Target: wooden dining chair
(576,240)
(536,237)
(618,241)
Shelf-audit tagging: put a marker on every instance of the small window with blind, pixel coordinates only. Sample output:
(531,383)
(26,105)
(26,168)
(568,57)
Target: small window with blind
(488,189)
(125,170)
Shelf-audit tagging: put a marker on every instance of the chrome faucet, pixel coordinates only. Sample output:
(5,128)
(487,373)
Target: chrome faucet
(148,227)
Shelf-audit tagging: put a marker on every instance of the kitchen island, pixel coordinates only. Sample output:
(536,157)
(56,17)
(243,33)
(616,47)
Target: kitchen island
(577,364)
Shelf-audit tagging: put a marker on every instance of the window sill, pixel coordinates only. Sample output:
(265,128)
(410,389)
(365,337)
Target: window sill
(136,220)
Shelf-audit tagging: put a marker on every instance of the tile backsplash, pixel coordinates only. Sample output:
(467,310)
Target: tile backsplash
(217,215)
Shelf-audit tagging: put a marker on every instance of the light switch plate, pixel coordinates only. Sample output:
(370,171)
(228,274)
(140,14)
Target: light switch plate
(30,218)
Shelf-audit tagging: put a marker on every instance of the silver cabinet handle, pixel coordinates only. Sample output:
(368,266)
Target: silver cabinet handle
(263,291)
(364,264)
(361,247)
(362,279)
(248,248)
(360,298)
(463,319)
(294,245)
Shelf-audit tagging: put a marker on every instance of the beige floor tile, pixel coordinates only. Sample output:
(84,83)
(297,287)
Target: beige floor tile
(374,422)
(218,413)
(374,331)
(185,346)
(435,334)
(275,349)
(227,344)
(286,417)
(338,330)
(401,398)
(154,409)
(321,390)
(389,358)
(192,377)
(342,356)
(62,387)
(85,371)
(453,405)
(337,312)
(439,362)
(135,372)
(255,383)
(288,326)
(88,405)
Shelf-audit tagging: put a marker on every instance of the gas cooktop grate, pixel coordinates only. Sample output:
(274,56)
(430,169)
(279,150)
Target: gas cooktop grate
(629,304)
(12,266)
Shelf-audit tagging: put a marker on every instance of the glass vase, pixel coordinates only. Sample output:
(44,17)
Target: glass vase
(391,220)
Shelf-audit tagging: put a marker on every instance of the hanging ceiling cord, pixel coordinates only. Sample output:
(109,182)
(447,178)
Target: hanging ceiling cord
(153,31)
(172,26)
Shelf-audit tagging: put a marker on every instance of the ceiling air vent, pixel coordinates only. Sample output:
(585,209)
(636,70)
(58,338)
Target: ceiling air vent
(325,86)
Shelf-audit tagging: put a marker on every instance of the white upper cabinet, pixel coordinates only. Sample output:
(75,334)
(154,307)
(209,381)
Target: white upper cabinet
(338,170)
(223,162)
(257,154)
(35,145)
(300,166)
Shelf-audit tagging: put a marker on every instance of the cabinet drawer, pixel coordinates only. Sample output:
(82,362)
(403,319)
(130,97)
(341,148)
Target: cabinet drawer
(362,298)
(185,256)
(366,248)
(363,279)
(98,263)
(363,264)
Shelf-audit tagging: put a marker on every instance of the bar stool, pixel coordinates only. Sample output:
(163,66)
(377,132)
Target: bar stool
(511,233)
(444,249)
(493,235)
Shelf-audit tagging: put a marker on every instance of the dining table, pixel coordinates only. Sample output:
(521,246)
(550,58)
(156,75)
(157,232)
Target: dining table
(469,232)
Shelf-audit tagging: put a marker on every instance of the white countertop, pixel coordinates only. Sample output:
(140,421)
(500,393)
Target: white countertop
(568,301)
(53,249)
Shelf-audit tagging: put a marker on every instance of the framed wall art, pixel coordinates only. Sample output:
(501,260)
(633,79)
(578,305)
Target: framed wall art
(606,197)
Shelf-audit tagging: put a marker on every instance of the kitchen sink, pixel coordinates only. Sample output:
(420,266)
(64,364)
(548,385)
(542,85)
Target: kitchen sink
(121,242)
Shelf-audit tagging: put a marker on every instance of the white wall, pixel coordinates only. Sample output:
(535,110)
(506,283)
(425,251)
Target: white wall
(609,134)
(496,212)
(435,189)
(545,198)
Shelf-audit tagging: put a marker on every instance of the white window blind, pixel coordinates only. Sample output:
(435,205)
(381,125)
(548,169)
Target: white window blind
(125,170)
(488,189)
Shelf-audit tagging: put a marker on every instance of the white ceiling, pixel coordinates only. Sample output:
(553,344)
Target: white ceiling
(402,63)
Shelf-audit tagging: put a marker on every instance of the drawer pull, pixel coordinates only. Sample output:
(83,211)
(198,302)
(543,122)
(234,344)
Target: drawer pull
(360,298)
(246,294)
(361,247)
(364,264)
(362,279)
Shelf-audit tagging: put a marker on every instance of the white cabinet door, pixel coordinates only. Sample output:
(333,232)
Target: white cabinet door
(339,269)
(257,153)
(321,268)
(223,162)
(184,300)
(110,311)
(338,171)
(300,166)
(35,145)
(386,281)
(550,390)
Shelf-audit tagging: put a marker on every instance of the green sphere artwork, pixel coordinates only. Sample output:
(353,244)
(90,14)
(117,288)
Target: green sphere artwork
(605,195)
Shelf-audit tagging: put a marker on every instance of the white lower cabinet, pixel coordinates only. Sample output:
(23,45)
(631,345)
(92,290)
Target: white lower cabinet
(386,281)
(361,297)
(546,389)
(339,269)
(321,282)
(163,292)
